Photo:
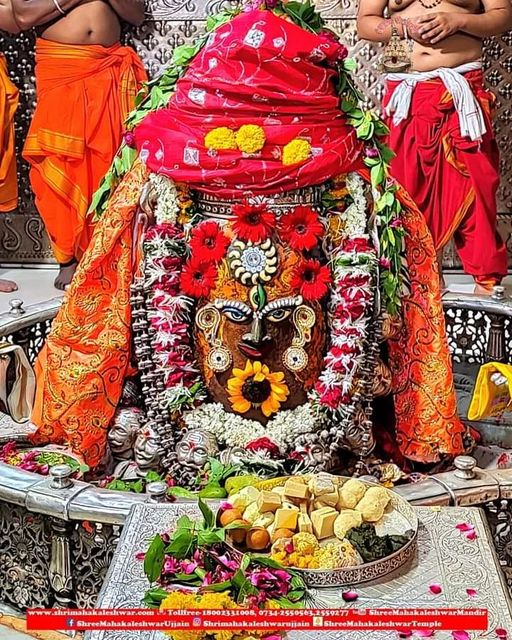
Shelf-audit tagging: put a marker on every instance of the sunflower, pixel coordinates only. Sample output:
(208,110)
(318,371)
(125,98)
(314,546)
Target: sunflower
(256,386)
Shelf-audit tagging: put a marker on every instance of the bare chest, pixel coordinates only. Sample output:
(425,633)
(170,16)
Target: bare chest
(417,7)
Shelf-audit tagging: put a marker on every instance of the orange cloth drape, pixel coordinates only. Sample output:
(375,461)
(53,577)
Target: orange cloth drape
(427,424)
(84,94)
(81,369)
(8,106)
(452,179)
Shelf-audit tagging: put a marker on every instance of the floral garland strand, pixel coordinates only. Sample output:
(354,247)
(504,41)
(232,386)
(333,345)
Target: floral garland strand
(351,305)
(170,312)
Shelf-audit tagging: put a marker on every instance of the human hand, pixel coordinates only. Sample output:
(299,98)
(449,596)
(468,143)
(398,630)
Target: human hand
(434,27)
(412,27)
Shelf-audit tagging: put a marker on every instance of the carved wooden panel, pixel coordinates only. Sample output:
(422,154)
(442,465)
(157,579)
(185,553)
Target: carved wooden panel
(174,22)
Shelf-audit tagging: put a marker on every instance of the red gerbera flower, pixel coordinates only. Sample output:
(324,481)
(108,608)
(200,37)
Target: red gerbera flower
(311,279)
(301,228)
(198,278)
(253,223)
(208,243)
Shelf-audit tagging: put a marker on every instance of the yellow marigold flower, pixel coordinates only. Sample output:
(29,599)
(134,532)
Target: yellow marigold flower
(296,151)
(220,138)
(177,600)
(250,138)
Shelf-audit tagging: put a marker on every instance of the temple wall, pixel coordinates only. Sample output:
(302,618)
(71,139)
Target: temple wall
(174,22)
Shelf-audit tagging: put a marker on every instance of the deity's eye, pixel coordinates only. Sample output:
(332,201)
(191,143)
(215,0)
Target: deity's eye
(236,315)
(278,315)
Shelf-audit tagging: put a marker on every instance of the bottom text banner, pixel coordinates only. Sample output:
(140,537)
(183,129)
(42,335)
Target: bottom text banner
(250,620)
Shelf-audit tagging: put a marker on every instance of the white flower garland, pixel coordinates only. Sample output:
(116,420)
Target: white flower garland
(232,430)
(167,207)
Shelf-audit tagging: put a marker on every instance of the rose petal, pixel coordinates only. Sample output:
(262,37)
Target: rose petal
(471,535)
(350,596)
(436,589)
(140,555)
(501,633)
(404,633)
(472,593)
(460,635)
(424,633)
(464,526)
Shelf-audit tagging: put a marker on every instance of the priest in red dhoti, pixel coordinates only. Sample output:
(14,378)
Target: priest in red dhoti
(440,120)
(86,86)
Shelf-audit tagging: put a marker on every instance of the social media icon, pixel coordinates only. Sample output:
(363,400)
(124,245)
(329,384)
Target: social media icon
(70,622)
(196,622)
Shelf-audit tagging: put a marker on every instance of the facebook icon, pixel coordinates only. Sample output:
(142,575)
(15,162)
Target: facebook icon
(70,622)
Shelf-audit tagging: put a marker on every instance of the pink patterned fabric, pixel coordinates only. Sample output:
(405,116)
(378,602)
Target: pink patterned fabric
(258,69)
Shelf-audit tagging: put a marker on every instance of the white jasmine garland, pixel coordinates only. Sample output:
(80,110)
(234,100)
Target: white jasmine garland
(233,430)
(167,207)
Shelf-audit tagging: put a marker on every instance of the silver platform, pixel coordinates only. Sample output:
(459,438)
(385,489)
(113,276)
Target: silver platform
(445,557)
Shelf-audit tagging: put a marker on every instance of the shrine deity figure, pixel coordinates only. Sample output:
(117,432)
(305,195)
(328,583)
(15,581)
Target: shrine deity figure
(269,257)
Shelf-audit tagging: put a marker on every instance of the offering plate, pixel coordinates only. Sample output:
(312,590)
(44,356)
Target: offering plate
(400,517)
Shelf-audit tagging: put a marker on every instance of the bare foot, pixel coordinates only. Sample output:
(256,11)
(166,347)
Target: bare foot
(480,290)
(66,273)
(7,286)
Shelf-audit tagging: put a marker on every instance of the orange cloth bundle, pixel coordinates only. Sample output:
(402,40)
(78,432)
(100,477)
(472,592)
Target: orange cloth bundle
(84,93)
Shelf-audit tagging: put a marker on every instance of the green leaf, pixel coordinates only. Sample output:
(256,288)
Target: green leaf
(371,162)
(181,544)
(154,597)
(220,586)
(386,154)
(187,577)
(180,492)
(154,559)
(350,64)
(377,175)
(182,55)
(138,486)
(153,476)
(184,522)
(209,517)
(286,603)
(210,537)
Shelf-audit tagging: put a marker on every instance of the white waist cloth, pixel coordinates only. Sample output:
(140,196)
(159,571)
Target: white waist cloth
(471,118)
